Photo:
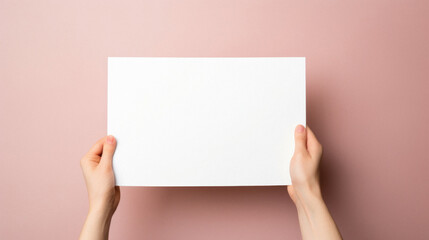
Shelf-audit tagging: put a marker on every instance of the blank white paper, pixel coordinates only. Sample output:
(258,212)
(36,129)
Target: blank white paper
(204,121)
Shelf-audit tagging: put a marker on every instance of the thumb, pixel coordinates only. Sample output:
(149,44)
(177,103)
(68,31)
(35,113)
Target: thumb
(300,139)
(109,148)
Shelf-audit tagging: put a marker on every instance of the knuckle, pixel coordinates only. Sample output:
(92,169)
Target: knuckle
(300,137)
(298,154)
(83,161)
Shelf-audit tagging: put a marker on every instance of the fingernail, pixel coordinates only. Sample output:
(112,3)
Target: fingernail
(110,139)
(300,129)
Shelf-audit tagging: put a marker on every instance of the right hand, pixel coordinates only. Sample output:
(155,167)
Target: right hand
(304,166)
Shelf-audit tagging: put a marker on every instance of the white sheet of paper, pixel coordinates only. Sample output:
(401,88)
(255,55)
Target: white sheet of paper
(204,121)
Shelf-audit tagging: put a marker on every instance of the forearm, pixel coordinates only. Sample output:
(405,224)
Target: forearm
(96,225)
(314,218)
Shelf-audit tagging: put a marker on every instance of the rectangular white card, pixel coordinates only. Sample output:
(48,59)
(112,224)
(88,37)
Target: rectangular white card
(204,121)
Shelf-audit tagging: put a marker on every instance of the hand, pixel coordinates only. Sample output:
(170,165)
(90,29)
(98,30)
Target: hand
(100,181)
(304,166)
(315,220)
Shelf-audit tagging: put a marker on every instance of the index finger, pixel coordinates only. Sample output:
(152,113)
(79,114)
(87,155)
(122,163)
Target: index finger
(97,148)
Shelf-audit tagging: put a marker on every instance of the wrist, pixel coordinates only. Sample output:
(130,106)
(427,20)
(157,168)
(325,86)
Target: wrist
(104,211)
(308,195)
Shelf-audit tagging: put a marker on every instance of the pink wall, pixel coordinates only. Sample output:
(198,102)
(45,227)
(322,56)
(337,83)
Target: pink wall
(368,95)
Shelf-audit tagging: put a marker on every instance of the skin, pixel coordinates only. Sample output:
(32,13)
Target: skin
(103,195)
(314,218)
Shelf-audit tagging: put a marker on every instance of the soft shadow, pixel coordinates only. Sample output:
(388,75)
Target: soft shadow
(335,181)
(161,212)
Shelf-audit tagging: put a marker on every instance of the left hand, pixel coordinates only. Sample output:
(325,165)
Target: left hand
(97,169)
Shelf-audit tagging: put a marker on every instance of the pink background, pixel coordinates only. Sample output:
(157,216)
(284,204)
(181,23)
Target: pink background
(367,86)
